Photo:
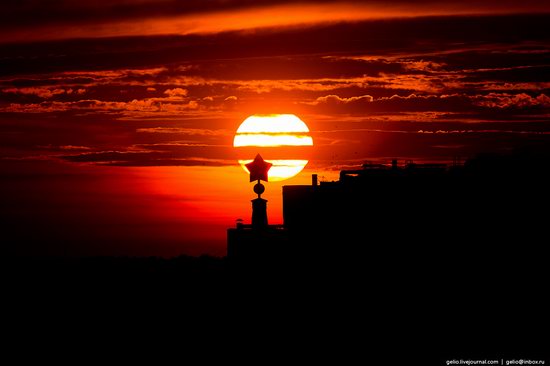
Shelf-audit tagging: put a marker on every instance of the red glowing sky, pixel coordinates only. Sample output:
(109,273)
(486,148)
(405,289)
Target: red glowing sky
(116,121)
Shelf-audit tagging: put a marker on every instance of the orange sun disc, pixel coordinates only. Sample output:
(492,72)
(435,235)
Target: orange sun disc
(274,134)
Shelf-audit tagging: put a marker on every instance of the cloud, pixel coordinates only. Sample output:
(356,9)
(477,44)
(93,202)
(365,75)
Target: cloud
(494,100)
(44,93)
(176,92)
(32,20)
(424,35)
(505,86)
(310,85)
(161,155)
(72,147)
(182,131)
(44,107)
(428,103)
(230,102)
(421,65)
(336,100)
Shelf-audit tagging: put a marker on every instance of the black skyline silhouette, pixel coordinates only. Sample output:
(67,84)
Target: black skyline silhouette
(455,253)
(465,241)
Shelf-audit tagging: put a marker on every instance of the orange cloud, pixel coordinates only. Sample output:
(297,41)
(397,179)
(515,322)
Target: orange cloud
(134,107)
(243,18)
(184,131)
(494,100)
(176,92)
(504,86)
(45,93)
(335,99)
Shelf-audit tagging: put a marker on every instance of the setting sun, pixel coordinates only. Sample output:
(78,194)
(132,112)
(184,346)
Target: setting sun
(274,131)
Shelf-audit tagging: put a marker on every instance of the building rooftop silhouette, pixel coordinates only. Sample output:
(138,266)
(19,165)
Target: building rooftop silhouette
(403,210)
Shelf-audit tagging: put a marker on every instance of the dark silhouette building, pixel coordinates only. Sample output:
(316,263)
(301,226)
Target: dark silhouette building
(257,241)
(401,215)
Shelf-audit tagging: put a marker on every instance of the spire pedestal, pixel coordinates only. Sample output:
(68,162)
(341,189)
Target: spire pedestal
(259,213)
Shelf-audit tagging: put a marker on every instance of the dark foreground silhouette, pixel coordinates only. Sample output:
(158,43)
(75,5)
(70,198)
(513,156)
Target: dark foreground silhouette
(390,265)
(456,253)
(402,314)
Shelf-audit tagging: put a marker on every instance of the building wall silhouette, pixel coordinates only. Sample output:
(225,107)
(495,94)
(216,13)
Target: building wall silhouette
(398,216)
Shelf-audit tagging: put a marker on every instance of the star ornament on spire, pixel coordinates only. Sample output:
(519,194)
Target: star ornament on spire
(258,169)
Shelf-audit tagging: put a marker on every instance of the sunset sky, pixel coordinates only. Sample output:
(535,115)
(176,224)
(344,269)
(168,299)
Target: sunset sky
(117,118)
